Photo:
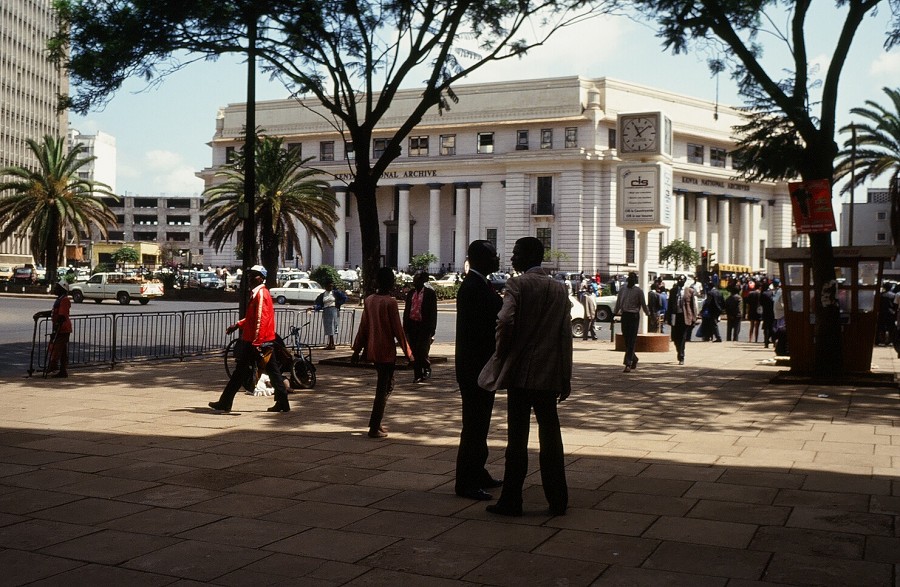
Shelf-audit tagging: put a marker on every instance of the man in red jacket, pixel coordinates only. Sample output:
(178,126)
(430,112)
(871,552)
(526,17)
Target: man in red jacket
(258,334)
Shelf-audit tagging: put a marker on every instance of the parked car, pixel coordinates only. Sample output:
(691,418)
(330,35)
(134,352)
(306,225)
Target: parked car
(7,272)
(498,280)
(448,280)
(25,275)
(605,307)
(296,291)
(204,280)
(115,286)
(285,275)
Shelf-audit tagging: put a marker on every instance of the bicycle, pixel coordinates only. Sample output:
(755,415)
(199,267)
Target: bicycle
(295,359)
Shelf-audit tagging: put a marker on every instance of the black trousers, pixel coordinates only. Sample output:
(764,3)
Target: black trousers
(245,360)
(680,334)
(733,329)
(477,406)
(553,472)
(630,323)
(420,343)
(384,385)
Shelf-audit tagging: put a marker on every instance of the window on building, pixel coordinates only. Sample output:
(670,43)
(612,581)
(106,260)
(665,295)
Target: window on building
(544,204)
(326,150)
(545,235)
(491,236)
(611,135)
(418,146)
(881,215)
(346,248)
(880,237)
(349,151)
(229,155)
(571,137)
(695,154)
(716,156)
(378,147)
(348,201)
(296,148)
(448,144)
(485,143)
(521,140)
(546,138)
(629,246)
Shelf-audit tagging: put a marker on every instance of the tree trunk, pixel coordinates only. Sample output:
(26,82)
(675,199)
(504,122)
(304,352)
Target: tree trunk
(370,232)
(52,253)
(268,248)
(827,332)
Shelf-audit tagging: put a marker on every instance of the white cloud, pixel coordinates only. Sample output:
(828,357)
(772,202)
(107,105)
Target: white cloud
(168,172)
(886,64)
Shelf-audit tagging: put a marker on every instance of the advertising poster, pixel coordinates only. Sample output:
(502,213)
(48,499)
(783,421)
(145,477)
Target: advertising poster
(645,196)
(811,203)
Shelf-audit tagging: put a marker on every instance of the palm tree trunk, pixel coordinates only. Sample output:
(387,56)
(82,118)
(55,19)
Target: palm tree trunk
(268,247)
(52,252)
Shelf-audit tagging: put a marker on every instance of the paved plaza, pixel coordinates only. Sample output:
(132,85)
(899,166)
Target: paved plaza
(698,475)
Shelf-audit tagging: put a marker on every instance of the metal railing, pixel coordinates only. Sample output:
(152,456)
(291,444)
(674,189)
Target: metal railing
(111,338)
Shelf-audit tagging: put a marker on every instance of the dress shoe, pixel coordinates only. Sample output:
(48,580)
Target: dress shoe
(377,434)
(681,362)
(476,494)
(634,364)
(219,407)
(285,407)
(627,369)
(502,510)
(492,483)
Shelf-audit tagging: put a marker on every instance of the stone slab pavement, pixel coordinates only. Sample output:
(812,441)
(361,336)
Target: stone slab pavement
(697,475)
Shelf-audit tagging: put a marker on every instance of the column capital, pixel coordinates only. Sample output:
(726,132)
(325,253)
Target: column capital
(460,185)
(474,185)
(403,187)
(339,189)
(435,186)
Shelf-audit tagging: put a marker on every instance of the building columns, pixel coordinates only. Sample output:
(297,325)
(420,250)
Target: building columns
(474,211)
(340,227)
(724,253)
(702,222)
(459,249)
(434,225)
(403,253)
(747,237)
(678,225)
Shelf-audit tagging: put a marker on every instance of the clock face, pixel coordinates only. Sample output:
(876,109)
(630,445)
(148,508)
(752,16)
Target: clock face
(639,134)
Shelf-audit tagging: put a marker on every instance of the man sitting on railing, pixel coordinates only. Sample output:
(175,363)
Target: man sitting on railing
(258,335)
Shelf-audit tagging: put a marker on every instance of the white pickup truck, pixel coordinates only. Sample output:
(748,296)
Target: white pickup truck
(115,286)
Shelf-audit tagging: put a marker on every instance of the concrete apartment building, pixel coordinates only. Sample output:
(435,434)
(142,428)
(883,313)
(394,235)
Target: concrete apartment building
(871,225)
(29,86)
(529,158)
(102,146)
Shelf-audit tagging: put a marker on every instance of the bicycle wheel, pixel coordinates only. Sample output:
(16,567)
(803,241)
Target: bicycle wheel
(231,353)
(303,373)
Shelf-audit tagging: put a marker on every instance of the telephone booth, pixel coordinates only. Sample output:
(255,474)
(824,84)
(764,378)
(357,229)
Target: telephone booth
(858,271)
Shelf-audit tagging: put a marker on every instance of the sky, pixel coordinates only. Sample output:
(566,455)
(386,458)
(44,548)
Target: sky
(162,131)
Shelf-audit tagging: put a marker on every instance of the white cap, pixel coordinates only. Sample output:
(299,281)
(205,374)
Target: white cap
(259,269)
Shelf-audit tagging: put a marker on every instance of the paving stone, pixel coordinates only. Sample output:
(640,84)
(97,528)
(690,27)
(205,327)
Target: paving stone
(266,467)
(804,541)
(348,494)
(745,513)
(302,455)
(883,549)
(275,487)
(682,472)
(99,486)
(847,484)
(490,534)
(710,532)
(838,521)
(242,532)
(601,548)
(852,502)
(334,474)
(619,576)
(387,578)
(108,547)
(339,573)
(730,492)
(92,574)
(146,471)
(20,567)
(625,523)
(404,525)
(335,545)
(885,504)
(422,502)
(762,478)
(514,569)
(170,496)
(46,478)
(26,501)
(36,534)
(659,505)
(243,505)
(161,521)
(314,514)
(214,479)
(196,560)
(670,487)
(89,510)
(707,560)
(91,464)
(795,569)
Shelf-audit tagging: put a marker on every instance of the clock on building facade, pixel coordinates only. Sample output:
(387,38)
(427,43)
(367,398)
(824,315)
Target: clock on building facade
(644,134)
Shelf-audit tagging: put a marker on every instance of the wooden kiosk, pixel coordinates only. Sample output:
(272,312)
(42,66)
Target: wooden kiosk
(859,275)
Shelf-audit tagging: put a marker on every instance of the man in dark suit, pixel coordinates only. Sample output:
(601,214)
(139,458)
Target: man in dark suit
(420,323)
(477,305)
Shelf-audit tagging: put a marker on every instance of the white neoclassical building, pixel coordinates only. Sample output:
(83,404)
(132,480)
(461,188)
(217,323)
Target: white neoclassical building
(528,158)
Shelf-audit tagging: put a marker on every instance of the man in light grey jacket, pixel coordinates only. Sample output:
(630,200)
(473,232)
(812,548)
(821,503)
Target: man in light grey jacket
(533,361)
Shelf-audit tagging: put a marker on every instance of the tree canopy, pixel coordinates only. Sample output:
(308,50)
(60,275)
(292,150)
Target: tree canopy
(351,58)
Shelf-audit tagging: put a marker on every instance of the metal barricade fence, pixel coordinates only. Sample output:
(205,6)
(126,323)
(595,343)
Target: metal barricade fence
(107,339)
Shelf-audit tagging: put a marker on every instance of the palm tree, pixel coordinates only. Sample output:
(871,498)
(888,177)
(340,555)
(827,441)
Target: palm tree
(53,199)
(877,152)
(287,195)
